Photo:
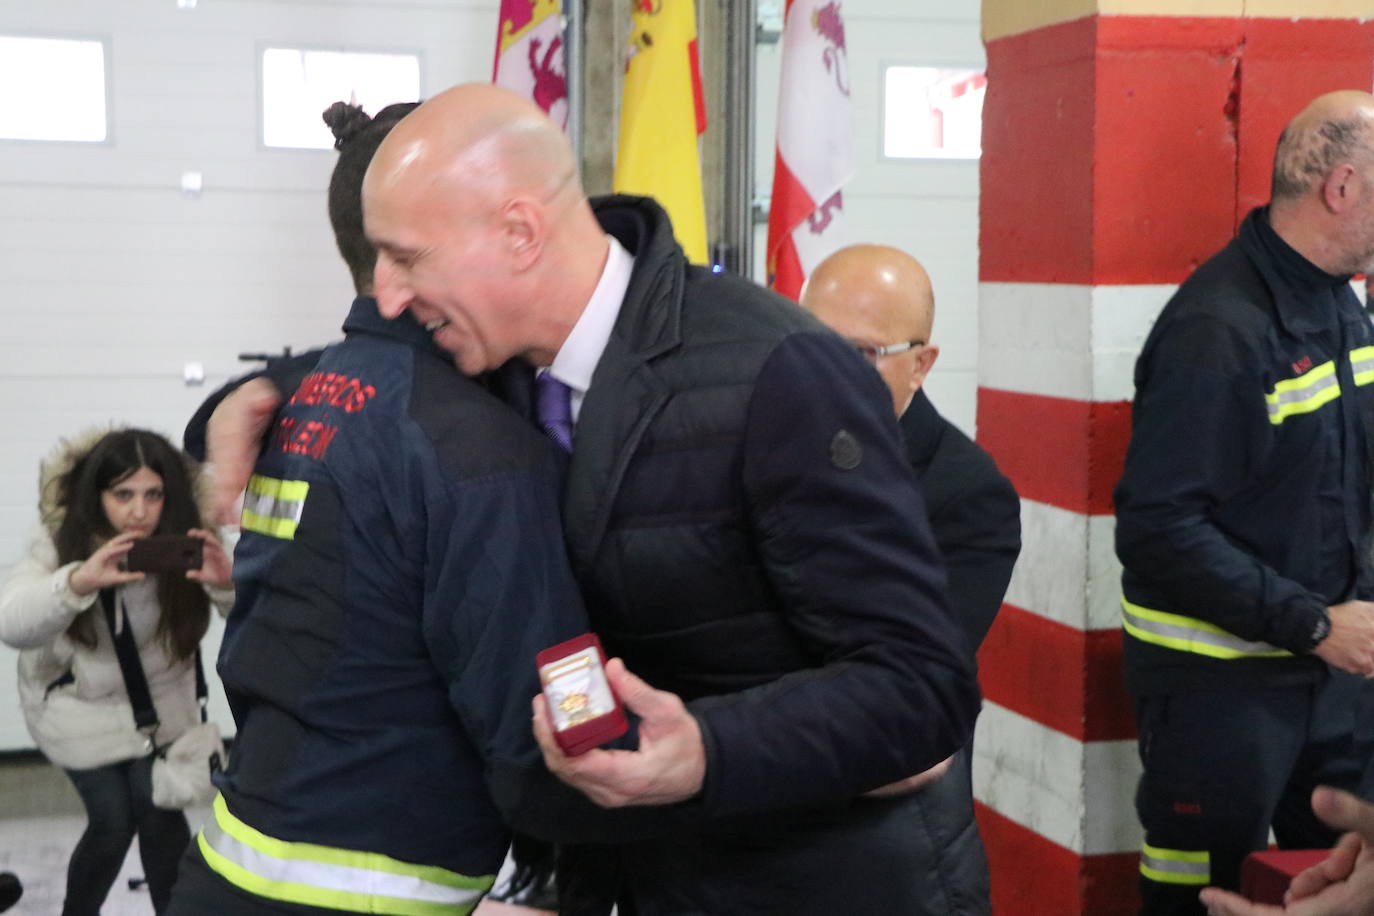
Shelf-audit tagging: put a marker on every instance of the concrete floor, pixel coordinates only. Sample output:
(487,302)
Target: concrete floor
(40,821)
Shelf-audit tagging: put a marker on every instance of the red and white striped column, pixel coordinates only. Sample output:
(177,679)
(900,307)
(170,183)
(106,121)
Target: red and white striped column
(1121,148)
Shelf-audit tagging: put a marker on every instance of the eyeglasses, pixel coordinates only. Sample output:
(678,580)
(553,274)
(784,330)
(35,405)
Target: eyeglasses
(873,354)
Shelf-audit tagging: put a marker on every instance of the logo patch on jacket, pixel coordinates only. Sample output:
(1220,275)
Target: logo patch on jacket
(845,451)
(1302,365)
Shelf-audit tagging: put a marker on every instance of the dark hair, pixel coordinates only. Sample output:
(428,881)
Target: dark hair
(184,608)
(356,137)
(1307,155)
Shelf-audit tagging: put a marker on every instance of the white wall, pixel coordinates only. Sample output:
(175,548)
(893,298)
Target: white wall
(114,280)
(926,207)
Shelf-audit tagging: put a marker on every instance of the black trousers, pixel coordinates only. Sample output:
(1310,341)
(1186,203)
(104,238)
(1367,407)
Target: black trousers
(1222,767)
(119,805)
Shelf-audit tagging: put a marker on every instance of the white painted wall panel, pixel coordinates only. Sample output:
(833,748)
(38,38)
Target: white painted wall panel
(115,279)
(926,207)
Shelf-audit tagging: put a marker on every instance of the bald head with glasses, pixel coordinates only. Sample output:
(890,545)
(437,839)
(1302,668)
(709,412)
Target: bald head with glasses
(879,299)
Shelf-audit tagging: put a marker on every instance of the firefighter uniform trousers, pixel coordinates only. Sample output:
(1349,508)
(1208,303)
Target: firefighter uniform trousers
(1217,767)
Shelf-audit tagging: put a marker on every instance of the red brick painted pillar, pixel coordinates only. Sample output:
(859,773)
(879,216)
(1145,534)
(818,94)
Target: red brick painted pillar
(1123,142)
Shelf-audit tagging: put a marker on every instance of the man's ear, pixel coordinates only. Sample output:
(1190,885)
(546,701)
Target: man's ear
(925,361)
(1340,189)
(522,226)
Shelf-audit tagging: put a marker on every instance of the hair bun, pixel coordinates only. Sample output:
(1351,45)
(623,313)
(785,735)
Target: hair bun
(346,121)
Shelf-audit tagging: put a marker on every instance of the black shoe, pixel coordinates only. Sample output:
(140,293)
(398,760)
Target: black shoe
(10,890)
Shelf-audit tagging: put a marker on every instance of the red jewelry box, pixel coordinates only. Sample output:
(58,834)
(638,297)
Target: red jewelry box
(585,711)
(1264,876)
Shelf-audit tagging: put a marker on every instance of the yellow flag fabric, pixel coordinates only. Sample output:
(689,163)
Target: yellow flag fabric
(661,115)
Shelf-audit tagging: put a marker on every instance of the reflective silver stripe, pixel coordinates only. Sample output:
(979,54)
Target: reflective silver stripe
(332,878)
(270,507)
(1362,365)
(1303,394)
(1175,866)
(274,507)
(1188,634)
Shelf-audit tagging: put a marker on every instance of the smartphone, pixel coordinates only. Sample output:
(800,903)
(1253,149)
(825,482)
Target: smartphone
(165,553)
(583,707)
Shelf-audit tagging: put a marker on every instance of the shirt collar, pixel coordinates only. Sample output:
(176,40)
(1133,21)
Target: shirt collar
(577,358)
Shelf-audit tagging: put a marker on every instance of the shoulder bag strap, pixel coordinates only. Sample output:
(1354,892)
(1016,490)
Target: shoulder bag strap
(201,690)
(126,650)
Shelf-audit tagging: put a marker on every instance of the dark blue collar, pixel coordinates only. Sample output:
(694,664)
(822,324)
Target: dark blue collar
(1299,286)
(364,318)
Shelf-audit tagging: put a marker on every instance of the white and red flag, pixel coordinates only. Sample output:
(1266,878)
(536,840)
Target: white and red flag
(815,152)
(529,55)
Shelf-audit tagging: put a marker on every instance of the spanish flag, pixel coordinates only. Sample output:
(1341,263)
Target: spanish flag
(661,115)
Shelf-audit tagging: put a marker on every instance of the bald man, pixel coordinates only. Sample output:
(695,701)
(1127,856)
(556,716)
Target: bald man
(400,552)
(880,300)
(1243,522)
(738,510)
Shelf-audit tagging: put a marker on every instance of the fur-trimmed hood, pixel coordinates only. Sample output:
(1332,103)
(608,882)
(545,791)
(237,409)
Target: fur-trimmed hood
(71,449)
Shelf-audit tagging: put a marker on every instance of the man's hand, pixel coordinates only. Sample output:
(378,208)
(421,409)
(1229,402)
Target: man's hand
(1350,644)
(668,767)
(911,783)
(232,440)
(1342,884)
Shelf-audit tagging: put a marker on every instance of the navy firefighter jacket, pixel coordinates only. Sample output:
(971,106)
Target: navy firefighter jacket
(1244,509)
(401,564)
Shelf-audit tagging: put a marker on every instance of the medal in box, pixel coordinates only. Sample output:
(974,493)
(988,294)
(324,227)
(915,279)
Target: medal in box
(584,710)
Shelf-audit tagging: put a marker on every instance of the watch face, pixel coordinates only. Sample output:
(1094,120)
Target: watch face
(1322,630)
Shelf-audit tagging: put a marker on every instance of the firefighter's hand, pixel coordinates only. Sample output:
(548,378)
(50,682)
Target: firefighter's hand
(911,783)
(669,766)
(1340,885)
(233,438)
(1350,644)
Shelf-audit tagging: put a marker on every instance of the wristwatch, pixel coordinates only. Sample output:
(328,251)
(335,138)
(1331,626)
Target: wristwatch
(1320,631)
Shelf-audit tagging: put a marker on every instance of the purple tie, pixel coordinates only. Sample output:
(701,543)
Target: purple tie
(553,408)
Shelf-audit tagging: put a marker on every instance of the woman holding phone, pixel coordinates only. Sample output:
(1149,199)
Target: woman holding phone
(62,605)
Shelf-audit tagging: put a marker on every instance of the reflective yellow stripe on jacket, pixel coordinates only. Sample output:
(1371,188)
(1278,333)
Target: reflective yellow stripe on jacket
(273,507)
(336,879)
(1175,866)
(1303,394)
(1316,386)
(1188,634)
(1362,365)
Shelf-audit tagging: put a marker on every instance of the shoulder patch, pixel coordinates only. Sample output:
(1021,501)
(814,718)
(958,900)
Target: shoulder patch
(845,451)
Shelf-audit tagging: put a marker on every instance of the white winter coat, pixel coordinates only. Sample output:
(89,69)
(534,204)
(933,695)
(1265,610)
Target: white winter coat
(88,722)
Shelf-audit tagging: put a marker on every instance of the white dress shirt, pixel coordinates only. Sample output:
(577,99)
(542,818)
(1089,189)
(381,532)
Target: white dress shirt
(577,358)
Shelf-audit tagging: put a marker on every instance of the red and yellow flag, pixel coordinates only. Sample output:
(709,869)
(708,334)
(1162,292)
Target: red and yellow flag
(529,55)
(661,115)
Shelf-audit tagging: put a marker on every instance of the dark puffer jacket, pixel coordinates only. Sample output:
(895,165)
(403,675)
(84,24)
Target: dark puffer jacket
(747,533)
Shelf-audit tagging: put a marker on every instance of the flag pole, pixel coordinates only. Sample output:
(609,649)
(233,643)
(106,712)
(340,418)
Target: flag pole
(573,60)
(737,213)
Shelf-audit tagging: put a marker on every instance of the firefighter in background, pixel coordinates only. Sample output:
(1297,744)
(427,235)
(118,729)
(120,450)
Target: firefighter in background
(1243,521)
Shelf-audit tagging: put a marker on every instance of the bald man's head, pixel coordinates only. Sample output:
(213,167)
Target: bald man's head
(1332,129)
(1322,203)
(878,297)
(481,227)
(480,136)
